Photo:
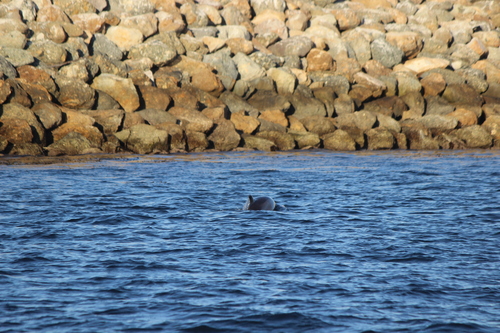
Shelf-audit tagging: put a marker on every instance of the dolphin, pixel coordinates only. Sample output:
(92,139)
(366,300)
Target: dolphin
(262,203)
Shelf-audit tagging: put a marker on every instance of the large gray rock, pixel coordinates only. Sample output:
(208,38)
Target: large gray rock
(160,53)
(386,53)
(237,104)
(304,104)
(247,68)
(144,139)
(6,68)
(48,52)
(17,57)
(101,44)
(225,66)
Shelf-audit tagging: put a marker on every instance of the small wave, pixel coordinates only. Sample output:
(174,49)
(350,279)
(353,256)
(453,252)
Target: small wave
(458,328)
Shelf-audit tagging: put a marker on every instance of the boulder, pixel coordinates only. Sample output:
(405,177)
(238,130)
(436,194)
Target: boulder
(48,114)
(433,84)
(15,130)
(380,138)
(269,100)
(423,64)
(89,21)
(48,52)
(492,126)
(224,136)
(244,123)
(475,136)
(339,140)
(247,68)
(293,46)
(225,67)
(14,110)
(258,143)
(156,116)
(318,125)
(147,23)
(464,116)
(462,94)
(154,97)
(304,104)
(124,38)
(282,140)
(285,80)
(74,93)
(275,116)
(319,60)
(109,121)
(160,53)
(306,140)
(27,149)
(144,139)
(17,57)
(191,120)
(386,53)
(364,120)
(388,123)
(438,124)
(196,141)
(72,143)
(102,44)
(407,41)
(176,135)
(121,89)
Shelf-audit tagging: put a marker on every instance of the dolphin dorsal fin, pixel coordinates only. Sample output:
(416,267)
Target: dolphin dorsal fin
(250,198)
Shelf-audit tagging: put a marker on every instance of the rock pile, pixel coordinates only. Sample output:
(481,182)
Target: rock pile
(88,76)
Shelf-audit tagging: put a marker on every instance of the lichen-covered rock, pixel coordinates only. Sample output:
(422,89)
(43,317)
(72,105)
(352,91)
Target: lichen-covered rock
(144,139)
(339,140)
(72,143)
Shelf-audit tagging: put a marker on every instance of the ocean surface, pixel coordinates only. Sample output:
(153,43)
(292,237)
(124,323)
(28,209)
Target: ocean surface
(370,242)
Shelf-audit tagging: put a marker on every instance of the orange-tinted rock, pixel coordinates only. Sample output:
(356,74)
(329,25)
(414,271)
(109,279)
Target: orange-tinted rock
(16,130)
(244,123)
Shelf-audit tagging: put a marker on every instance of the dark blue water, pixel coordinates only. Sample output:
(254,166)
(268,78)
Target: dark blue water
(388,242)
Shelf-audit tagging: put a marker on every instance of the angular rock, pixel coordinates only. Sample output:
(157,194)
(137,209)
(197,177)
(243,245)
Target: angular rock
(275,116)
(109,121)
(492,126)
(386,53)
(157,51)
(156,116)
(282,140)
(176,135)
(339,140)
(380,138)
(296,46)
(363,120)
(424,64)
(233,31)
(101,44)
(48,52)
(13,39)
(72,143)
(122,90)
(74,93)
(224,136)
(225,67)
(154,98)
(196,141)
(132,7)
(14,110)
(144,139)
(48,114)
(147,23)
(439,124)
(16,57)
(407,41)
(407,83)
(304,104)
(319,60)
(258,143)
(5,91)
(475,137)
(285,80)
(433,84)
(465,117)
(388,123)
(124,38)
(247,68)
(462,94)
(18,95)
(89,21)
(306,140)
(15,130)
(317,124)
(244,123)
(191,120)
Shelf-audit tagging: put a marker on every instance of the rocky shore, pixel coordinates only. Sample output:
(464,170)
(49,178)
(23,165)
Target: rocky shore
(158,76)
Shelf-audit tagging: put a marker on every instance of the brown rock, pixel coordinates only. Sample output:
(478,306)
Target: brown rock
(122,90)
(380,138)
(306,140)
(202,75)
(465,117)
(433,84)
(18,95)
(275,116)
(363,120)
(74,93)
(296,125)
(258,143)
(147,23)
(36,92)
(388,123)
(475,137)
(216,113)
(423,64)
(346,18)
(52,13)
(462,94)
(237,45)
(124,37)
(408,41)
(5,91)
(319,125)
(418,137)
(224,136)
(132,119)
(176,135)
(375,68)
(491,70)
(110,121)
(50,30)
(192,120)
(196,141)
(90,22)
(392,106)
(376,86)
(154,98)
(282,140)
(15,130)
(49,114)
(492,126)
(339,140)
(157,116)
(144,139)
(37,76)
(319,60)
(14,110)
